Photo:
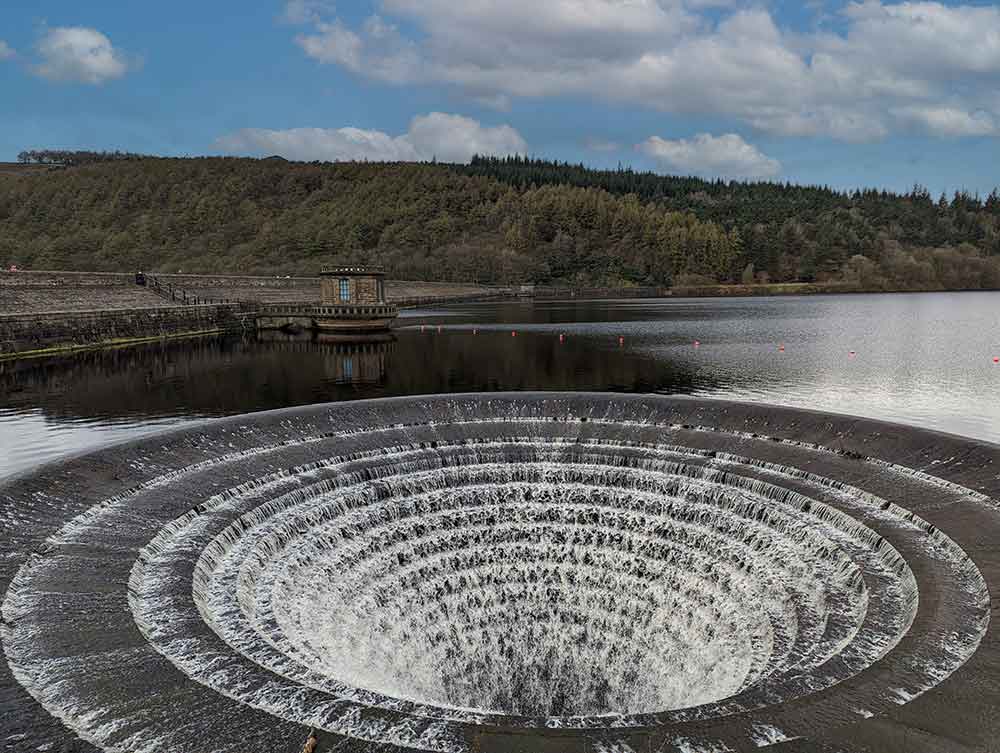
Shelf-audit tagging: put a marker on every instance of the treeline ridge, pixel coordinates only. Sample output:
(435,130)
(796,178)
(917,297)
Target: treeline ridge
(493,221)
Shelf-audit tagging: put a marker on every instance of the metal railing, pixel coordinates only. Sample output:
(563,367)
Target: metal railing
(341,311)
(180,296)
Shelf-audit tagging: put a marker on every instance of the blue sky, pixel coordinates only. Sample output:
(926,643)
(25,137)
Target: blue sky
(847,94)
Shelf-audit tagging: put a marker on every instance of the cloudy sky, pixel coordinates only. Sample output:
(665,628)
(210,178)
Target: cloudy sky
(872,93)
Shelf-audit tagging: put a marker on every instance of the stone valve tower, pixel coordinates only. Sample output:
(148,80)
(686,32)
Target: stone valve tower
(352,299)
(352,302)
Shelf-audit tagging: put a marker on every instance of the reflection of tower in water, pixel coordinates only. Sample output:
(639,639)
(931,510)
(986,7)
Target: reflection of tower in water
(356,361)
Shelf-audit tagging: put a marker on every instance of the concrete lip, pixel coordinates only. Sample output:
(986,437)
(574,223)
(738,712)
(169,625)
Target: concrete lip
(507,572)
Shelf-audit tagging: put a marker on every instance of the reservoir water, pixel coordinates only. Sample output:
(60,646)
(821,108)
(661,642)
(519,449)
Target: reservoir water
(920,359)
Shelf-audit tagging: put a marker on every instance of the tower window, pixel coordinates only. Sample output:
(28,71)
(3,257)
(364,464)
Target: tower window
(345,289)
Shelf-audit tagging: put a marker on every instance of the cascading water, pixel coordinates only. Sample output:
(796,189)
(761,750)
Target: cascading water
(454,573)
(540,585)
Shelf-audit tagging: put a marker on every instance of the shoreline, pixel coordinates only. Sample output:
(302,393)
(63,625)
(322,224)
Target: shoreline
(800,288)
(125,342)
(80,331)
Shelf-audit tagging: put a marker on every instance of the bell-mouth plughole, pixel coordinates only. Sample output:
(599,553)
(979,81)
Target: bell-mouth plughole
(490,571)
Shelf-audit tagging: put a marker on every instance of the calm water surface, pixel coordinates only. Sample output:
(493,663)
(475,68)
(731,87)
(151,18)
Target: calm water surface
(923,359)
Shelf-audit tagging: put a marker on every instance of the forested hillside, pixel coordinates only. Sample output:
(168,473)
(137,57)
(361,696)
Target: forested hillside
(494,221)
(809,233)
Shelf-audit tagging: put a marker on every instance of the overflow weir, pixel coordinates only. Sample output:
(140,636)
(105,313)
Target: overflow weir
(527,572)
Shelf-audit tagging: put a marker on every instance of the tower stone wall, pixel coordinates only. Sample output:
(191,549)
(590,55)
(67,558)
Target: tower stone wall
(366,286)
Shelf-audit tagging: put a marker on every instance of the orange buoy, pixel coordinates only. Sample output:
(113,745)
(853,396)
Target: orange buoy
(513,333)
(781,347)
(996,360)
(697,343)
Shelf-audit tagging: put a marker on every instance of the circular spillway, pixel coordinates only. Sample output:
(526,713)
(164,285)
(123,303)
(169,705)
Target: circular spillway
(506,572)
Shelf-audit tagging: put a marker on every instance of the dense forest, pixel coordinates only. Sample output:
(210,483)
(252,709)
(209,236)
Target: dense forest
(73,158)
(878,239)
(492,221)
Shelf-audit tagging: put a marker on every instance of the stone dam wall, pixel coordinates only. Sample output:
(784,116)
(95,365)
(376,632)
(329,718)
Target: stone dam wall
(45,292)
(54,310)
(80,329)
(34,293)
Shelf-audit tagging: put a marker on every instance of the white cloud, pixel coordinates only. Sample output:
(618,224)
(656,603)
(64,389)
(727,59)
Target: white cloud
(542,32)
(703,4)
(888,61)
(79,55)
(483,47)
(448,138)
(932,40)
(727,156)
(334,44)
(6,51)
(453,138)
(379,51)
(949,121)
(842,122)
(307,11)
(324,144)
